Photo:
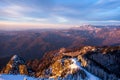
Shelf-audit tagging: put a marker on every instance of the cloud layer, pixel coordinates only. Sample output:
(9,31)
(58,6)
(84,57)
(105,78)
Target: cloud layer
(60,11)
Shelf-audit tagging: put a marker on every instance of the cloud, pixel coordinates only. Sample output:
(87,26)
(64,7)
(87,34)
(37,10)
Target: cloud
(90,11)
(12,11)
(61,19)
(15,10)
(60,11)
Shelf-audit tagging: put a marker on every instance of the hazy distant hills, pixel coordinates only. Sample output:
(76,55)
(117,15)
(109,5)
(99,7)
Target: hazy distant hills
(43,50)
(34,43)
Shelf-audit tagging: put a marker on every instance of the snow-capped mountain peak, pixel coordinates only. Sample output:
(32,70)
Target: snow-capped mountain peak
(16,65)
(15,57)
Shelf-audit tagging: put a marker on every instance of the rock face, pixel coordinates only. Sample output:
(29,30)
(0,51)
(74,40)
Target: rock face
(100,61)
(16,65)
(84,63)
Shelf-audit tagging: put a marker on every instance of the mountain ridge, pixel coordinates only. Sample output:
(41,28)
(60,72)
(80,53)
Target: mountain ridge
(60,63)
(25,42)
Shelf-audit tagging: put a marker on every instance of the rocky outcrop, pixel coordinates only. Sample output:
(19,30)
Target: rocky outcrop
(74,64)
(16,65)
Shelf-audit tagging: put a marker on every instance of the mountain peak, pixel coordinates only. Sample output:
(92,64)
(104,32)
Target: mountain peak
(15,57)
(16,65)
(17,60)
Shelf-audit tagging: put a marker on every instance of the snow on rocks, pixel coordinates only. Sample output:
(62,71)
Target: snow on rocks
(76,65)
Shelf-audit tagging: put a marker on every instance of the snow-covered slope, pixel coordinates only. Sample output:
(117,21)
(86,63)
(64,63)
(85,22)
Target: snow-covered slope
(16,77)
(76,64)
(89,75)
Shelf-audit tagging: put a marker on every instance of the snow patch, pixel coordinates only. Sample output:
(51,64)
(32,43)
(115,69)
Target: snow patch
(14,57)
(16,77)
(89,75)
(74,65)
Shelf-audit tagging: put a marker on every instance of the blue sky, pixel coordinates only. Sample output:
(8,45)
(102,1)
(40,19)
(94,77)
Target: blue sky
(57,13)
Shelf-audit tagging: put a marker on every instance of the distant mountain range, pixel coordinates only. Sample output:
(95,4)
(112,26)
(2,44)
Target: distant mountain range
(31,44)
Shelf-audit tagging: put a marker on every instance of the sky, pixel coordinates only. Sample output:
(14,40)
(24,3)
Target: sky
(32,14)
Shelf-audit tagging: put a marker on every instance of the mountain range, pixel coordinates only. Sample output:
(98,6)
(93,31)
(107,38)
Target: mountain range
(38,42)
